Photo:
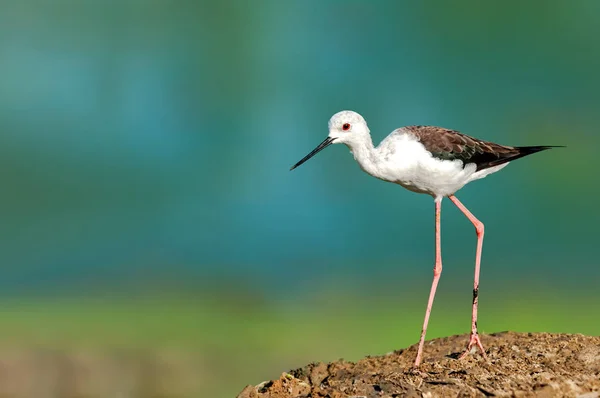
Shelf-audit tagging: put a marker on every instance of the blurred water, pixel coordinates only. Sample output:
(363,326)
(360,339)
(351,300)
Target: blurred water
(146,135)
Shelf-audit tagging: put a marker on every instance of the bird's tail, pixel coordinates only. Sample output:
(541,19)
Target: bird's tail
(519,152)
(528,150)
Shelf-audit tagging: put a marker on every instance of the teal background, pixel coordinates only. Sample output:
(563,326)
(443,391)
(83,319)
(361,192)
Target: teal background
(147,202)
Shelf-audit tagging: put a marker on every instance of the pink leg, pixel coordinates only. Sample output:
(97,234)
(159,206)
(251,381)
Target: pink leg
(474,338)
(437,271)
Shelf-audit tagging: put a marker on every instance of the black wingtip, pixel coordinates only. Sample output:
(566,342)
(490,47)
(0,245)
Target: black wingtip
(526,150)
(521,151)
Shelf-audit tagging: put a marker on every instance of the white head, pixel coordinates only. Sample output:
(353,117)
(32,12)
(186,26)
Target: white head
(345,127)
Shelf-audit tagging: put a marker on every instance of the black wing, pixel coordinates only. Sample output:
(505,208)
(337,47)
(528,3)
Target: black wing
(451,145)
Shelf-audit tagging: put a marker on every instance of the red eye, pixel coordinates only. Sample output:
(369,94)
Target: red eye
(346,126)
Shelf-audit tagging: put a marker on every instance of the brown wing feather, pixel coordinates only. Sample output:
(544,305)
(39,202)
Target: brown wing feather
(449,144)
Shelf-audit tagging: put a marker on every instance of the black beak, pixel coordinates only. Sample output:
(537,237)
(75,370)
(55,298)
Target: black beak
(318,149)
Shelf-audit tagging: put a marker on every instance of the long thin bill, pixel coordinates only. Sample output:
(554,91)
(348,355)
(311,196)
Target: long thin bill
(318,149)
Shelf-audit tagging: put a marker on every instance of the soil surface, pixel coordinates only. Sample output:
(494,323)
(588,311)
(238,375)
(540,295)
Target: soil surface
(518,365)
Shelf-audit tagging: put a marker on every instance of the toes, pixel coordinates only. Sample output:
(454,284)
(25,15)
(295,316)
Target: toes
(474,341)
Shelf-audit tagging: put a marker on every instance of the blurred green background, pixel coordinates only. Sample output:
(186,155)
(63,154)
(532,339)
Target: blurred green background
(153,242)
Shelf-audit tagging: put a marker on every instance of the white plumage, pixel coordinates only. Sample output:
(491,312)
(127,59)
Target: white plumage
(400,158)
(431,160)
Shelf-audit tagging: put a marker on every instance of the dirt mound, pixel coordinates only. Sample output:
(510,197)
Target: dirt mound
(519,365)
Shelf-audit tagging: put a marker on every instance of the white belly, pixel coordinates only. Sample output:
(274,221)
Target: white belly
(413,167)
(444,184)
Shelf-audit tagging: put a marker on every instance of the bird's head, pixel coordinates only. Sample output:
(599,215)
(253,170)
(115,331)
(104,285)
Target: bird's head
(345,127)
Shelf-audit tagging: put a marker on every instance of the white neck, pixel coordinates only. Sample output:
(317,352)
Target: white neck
(364,154)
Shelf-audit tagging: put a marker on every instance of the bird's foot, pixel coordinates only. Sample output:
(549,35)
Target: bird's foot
(474,341)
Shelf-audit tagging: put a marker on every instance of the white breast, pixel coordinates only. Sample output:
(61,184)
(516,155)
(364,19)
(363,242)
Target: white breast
(402,159)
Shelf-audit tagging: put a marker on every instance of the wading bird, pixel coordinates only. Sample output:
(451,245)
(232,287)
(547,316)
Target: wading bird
(430,160)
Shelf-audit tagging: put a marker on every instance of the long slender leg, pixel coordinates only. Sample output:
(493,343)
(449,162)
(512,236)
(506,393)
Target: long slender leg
(437,271)
(479,228)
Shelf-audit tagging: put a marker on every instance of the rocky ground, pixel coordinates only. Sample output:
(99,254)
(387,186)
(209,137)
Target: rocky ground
(518,365)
